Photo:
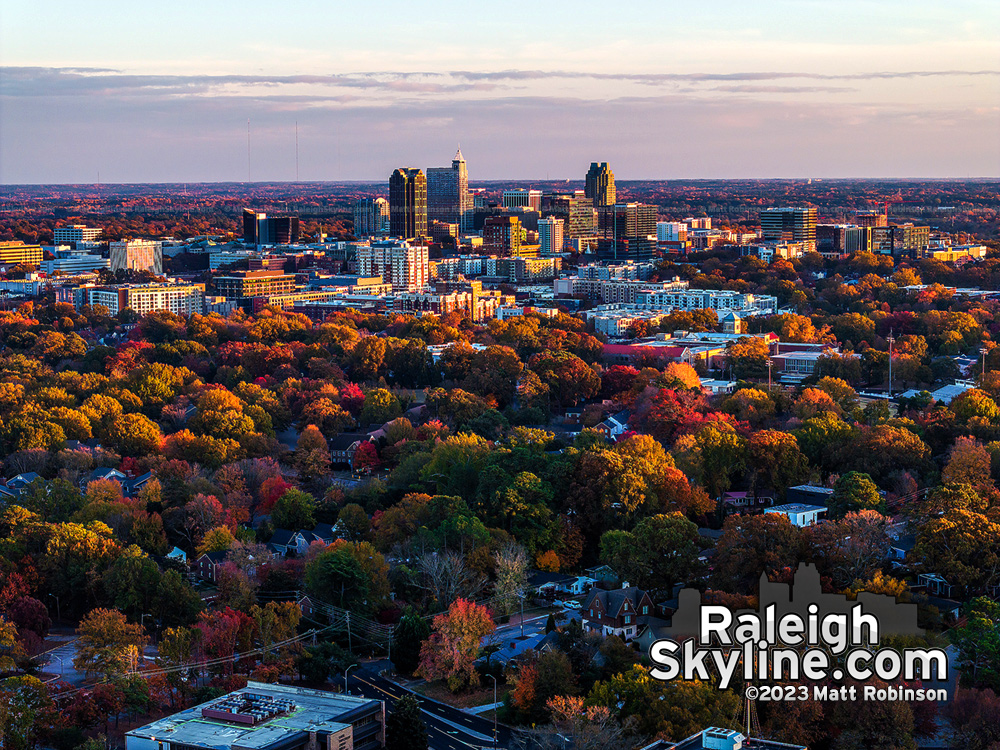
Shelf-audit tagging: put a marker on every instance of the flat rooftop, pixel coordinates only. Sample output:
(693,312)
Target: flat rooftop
(794,508)
(312,711)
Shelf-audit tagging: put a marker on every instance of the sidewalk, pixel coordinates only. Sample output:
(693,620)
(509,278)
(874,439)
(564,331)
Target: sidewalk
(483,709)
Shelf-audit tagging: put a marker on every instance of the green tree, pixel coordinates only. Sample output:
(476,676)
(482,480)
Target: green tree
(675,709)
(411,631)
(404,729)
(132,582)
(978,644)
(853,492)
(294,511)
(660,551)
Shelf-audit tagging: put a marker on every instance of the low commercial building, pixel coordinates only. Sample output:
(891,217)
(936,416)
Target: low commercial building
(263,716)
(75,233)
(70,264)
(15,252)
(714,738)
(957,253)
(244,284)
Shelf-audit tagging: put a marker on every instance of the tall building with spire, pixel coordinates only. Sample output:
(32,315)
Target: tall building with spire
(448,197)
(600,185)
(408,203)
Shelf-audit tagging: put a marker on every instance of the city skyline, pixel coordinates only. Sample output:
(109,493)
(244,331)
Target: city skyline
(817,89)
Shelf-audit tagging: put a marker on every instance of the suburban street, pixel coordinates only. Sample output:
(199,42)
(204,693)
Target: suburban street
(447,728)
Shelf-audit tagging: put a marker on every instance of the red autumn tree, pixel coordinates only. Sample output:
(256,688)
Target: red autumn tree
(450,652)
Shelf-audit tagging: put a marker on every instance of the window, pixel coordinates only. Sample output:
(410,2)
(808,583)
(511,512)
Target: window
(645,609)
(628,619)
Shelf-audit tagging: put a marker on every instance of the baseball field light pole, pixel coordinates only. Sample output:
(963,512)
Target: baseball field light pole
(891,339)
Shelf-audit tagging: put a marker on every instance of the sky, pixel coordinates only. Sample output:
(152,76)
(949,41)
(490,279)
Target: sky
(135,91)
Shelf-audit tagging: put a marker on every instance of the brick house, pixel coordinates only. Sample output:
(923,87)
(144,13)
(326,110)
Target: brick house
(208,565)
(618,612)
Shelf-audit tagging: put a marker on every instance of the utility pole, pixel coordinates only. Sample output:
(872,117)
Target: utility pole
(350,647)
(770,363)
(522,615)
(984,351)
(494,709)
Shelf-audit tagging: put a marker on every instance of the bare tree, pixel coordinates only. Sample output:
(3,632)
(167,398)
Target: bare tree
(447,577)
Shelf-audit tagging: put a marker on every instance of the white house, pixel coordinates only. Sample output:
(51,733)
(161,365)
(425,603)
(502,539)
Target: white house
(799,514)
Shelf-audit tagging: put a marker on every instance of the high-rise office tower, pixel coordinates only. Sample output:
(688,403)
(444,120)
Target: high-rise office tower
(550,235)
(790,225)
(576,210)
(261,229)
(627,231)
(371,216)
(600,186)
(448,198)
(502,236)
(408,203)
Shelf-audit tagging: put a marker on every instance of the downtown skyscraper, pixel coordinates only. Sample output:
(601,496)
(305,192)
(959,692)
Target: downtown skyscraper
(448,198)
(600,184)
(408,203)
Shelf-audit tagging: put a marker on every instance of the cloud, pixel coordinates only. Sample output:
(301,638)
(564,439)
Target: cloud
(657,78)
(38,81)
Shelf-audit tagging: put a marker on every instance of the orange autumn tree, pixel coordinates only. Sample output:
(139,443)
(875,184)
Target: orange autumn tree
(450,652)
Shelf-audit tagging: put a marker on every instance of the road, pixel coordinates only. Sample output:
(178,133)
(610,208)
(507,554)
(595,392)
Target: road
(59,660)
(448,728)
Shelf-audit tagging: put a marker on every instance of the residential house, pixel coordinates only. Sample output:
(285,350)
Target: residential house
(547,585)
(130,485)
(799,514)
(208,565)
(345,445)
(19,483)
(615,425)
(618,612)
(285,542)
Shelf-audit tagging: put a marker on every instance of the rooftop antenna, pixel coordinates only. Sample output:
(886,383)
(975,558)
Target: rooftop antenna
(296,150)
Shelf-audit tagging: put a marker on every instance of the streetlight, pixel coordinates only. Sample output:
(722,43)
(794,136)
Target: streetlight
(346,671)
(58,614)
(494,708)
(62,670)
